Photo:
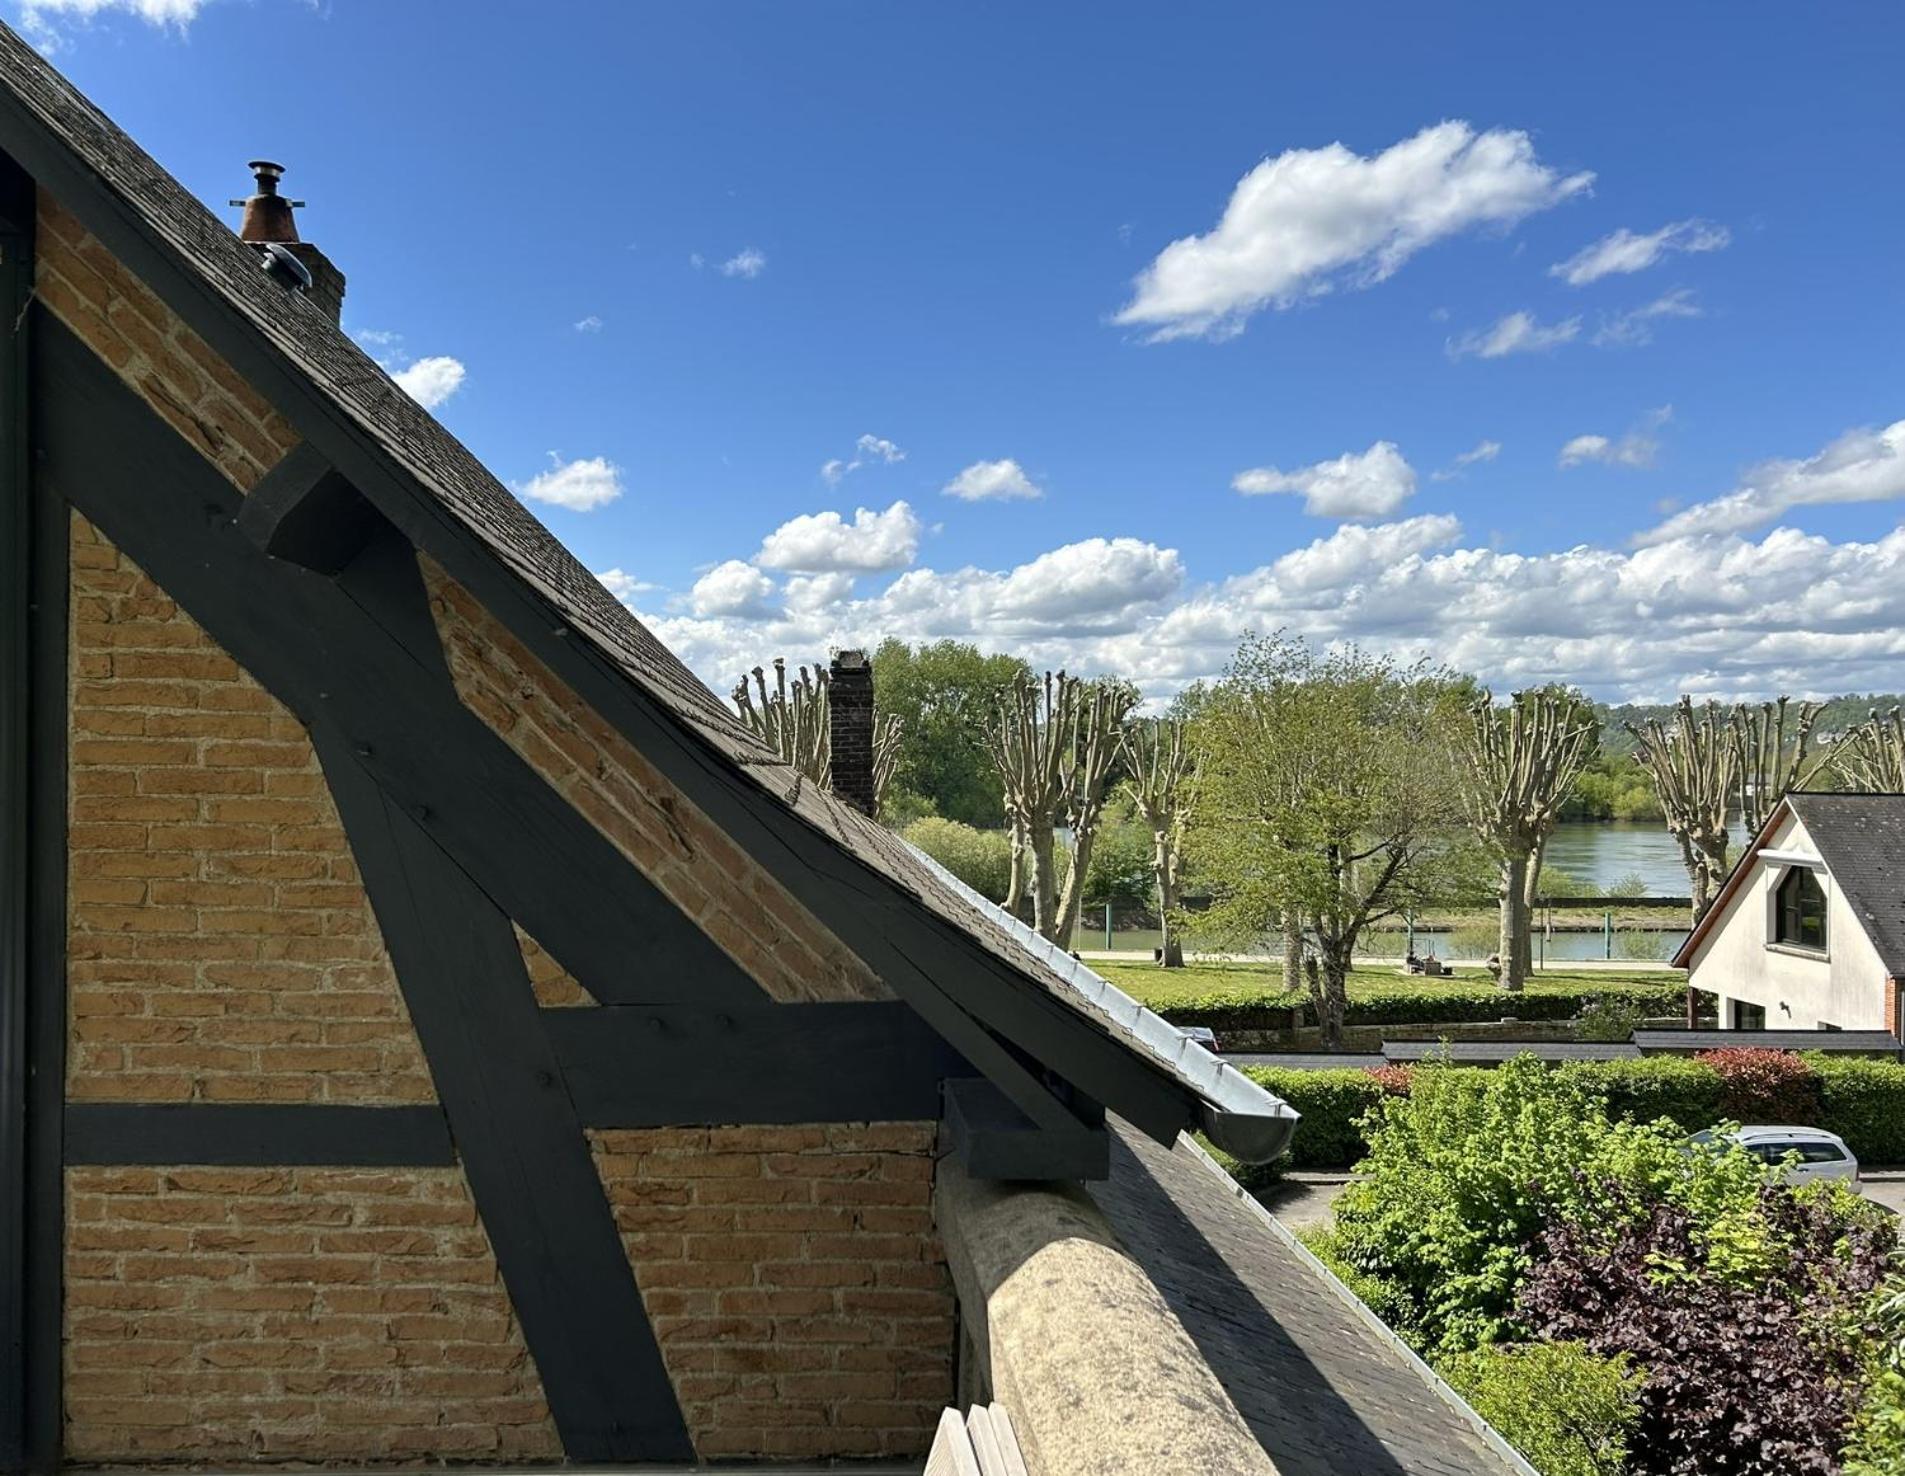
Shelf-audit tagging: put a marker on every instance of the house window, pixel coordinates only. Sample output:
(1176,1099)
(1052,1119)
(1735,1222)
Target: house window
(1799,910)
(1748,1016)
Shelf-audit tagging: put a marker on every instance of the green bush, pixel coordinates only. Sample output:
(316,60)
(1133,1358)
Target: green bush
(982,859)
(1568,1411)
(1678,1088)
(1410,1003)
(1863,1101)
(1333,1104)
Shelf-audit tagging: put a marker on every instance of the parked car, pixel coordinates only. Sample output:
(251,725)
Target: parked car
(1818,1153)
(1201,1035)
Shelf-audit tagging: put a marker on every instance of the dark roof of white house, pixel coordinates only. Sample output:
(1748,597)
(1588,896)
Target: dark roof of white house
(294,353)
(1861,838)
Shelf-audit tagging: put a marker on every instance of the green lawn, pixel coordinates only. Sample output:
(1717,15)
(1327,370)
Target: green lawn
(1262,984)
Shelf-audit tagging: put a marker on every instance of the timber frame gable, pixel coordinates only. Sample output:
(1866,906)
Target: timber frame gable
(317,581)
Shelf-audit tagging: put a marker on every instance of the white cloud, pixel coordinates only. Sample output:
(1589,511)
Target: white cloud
(431,381)
(581,485)
(1624,251)
(1637,448)
(1481,451)
(40,17)
(1357,484)
(625,586)
(748,263)
(1518,333)
(1860,466)
(824,542)
(732,588)
(1635,327)
(1712,614)
(992,481)
(377,337)
(1299,224)
(867,451)
(590,324)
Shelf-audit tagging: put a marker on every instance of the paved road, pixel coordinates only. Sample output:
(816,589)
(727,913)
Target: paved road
(1302,1200)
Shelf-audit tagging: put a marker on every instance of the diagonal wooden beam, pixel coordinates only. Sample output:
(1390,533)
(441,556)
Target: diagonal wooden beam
(358,657)
(522,1144)
(304,512)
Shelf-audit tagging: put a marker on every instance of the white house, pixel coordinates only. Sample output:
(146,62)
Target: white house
(1809,930)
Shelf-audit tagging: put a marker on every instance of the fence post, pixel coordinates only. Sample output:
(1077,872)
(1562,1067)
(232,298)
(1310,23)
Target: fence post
(1607,936)
(1107,927)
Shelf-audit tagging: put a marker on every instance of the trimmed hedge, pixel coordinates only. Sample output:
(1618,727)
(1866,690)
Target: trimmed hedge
(1860,1099)
(1435,1004)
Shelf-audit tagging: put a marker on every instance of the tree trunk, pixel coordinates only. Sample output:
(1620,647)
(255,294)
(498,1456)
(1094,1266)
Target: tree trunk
(1329,994)
(1514,919)
(1292,949)
(1164,863)
(1015,892)
(1044,882)
(1072,894)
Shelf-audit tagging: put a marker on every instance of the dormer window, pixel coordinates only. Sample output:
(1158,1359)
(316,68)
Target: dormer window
(1799,910)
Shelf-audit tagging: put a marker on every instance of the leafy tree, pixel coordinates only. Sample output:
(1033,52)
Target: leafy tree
(982,859)
(1326,797)
(944,695)
(1612,786)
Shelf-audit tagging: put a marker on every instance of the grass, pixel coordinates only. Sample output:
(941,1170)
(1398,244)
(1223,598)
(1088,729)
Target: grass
(1261,983)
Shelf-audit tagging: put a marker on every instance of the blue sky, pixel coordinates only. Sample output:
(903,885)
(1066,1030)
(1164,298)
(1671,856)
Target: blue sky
(1639,264)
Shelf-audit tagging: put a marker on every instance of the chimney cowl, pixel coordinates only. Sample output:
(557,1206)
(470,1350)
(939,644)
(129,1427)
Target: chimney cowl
(268,214)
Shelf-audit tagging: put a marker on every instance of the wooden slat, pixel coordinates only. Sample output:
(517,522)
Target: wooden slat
(257,1135)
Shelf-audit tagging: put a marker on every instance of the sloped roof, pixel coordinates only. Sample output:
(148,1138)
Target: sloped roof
(60,137)
(1861,838)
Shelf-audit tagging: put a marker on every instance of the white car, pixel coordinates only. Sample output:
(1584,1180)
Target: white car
(1818,1153)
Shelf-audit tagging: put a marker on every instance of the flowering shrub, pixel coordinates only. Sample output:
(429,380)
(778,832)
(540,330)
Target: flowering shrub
(1758,1085)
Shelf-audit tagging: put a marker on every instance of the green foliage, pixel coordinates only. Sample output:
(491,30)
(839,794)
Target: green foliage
(1568,1411)
(944,694)
(1877,1446)
(982,859)
(1120,871)
(1610,1019)
(1333,1104)
(1465,1172)
(1863,1101)
(1676,1088)
(1613,786)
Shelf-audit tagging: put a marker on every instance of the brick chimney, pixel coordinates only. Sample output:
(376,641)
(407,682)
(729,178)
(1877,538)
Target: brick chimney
(268,220)
(850,729)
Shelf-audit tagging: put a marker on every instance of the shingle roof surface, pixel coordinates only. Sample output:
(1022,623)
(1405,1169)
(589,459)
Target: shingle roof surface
(1861,838)
(406,434)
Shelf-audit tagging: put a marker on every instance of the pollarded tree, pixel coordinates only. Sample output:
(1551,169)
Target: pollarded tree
(1694,764)
(1772,763)
(1103,708)
(1054,744)
(1158,760)
(1520,762)
(1871,757)
(1030,744)
(792,719)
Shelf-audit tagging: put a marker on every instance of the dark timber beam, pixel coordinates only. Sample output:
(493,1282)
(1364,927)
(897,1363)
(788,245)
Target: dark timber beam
(631,1066)
(996,1141)
(521,1142)
(358,656)
(247,1135)
(304,512)
(32,871)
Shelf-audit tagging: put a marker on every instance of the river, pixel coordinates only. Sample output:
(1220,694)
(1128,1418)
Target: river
(1603,854)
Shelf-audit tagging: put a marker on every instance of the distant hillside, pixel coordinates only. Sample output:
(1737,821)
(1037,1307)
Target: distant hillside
(1840,713)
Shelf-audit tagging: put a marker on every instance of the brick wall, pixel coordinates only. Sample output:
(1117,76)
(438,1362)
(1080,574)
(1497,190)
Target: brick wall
(226,1315)
(169,365)
(783,946)
(795,1281)
(221,946)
